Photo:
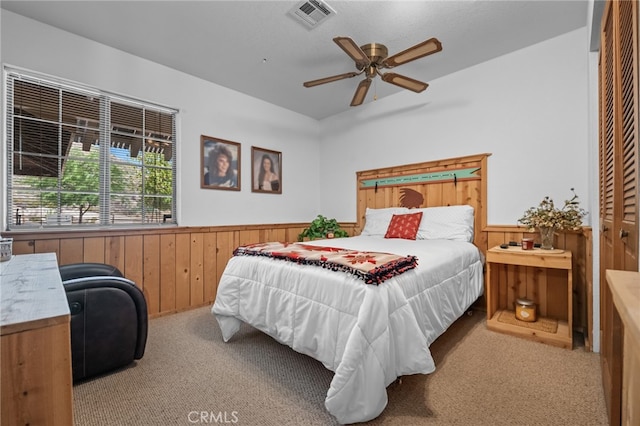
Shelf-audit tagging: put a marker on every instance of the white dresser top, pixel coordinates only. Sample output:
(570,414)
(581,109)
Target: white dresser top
(31,293)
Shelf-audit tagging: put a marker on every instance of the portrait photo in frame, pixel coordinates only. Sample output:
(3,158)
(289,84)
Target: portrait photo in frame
(219,164)
(266,171)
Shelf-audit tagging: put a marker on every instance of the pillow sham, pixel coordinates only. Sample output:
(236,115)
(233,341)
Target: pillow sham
(377,220)
(446,223)
(404,226)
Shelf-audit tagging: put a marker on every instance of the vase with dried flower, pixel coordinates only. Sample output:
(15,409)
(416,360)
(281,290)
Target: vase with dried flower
(548,219)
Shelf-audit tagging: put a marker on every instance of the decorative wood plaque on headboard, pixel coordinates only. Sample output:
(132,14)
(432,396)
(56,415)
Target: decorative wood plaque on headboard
(433,177)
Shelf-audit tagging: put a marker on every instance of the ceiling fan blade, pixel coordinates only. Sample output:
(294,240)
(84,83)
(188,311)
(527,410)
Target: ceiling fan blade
(361,92)
(329,79)
(404,82)
(353,50)
(420,50)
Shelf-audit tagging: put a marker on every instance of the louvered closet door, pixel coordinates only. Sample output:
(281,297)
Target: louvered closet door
(626,144)
(618,178)
(607,112)
(611,363)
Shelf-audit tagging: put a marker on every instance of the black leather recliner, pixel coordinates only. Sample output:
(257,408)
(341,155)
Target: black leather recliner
(108,318)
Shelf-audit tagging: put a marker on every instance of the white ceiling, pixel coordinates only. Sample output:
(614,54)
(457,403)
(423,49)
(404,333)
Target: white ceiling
(256,48)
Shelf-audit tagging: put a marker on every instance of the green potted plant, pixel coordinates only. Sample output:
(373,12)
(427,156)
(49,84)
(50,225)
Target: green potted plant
(322,227)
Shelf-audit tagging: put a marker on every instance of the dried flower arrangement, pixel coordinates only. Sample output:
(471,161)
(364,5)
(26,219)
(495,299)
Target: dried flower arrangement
(546,215)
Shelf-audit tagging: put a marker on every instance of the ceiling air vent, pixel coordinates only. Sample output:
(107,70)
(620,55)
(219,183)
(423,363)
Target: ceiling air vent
(312,12)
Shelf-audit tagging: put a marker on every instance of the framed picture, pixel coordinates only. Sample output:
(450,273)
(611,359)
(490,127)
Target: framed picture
(266,170)
(219,164)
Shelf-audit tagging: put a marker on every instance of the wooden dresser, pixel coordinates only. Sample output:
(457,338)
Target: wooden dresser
(35,343)
(625,291)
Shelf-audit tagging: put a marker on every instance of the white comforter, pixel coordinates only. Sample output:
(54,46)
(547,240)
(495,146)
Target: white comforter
(368,335)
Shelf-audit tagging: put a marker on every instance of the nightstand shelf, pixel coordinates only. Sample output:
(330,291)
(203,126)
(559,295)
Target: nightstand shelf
(545,276)
(559,338)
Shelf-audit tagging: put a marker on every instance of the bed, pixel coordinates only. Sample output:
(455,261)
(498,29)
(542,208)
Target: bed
(367,334)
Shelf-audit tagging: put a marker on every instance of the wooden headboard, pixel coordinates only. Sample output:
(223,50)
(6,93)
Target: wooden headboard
(453,181)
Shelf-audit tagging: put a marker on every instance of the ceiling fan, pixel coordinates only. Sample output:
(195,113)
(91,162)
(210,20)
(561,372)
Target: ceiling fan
(371,58)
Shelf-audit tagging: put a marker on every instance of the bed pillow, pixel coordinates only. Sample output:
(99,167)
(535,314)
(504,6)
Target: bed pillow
(377,220)
(446,223)
(404,226)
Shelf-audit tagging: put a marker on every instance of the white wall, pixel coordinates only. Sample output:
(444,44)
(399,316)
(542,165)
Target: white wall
(205,108)
(528,109)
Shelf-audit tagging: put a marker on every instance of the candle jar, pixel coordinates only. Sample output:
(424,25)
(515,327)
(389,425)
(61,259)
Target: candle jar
(527,244)
(525,310)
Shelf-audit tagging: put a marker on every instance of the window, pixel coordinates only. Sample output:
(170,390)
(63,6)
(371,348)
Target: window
(85,158)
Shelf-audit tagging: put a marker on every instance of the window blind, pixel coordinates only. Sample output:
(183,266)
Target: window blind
(78,156)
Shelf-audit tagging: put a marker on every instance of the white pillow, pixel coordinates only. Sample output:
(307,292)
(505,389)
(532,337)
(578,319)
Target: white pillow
(446,223)
(377,220)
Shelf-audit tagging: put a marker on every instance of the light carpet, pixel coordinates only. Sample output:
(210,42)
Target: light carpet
(188,376)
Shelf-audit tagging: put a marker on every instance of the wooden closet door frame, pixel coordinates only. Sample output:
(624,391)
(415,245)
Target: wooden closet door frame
(618,187)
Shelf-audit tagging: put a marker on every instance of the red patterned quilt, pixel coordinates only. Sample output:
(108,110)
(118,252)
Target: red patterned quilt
(371,267)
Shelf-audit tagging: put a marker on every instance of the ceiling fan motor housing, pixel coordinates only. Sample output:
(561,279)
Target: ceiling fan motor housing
(376,52)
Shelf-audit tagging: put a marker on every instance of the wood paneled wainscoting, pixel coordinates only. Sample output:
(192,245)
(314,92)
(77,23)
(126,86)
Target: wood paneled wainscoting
(549,287)
(177,268)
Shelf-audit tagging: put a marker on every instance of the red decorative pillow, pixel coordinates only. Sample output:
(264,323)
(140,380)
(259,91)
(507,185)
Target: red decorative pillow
(404,226)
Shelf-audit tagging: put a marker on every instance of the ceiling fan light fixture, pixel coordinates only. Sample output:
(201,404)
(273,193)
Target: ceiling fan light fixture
(371,71)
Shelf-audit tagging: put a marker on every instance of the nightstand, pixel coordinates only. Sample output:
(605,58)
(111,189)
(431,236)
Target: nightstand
(544,276)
